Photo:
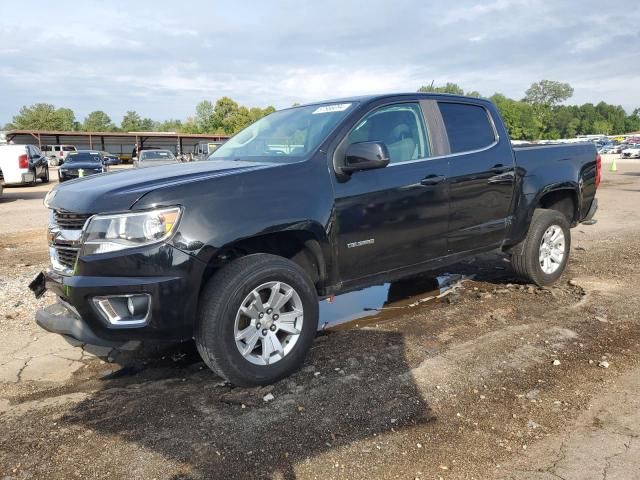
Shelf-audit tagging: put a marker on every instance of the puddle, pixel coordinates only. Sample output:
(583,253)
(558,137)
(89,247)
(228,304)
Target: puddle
(384,302)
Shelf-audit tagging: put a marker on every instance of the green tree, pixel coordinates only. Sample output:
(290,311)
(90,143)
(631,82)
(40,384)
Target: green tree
(98,121)
(548,93)
(518,117)
(190,125)
(148,125)
(544,96)
(603,127)
(225,115)
(67,120)
(447,88)
(131,122)
(43,116)
(632,122)
(204,116)
(170,126)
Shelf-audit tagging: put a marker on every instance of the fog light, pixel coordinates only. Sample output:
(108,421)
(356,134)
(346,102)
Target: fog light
(124,310)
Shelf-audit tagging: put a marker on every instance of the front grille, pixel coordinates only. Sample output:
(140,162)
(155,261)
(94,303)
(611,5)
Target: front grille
(67,257)
(69,221)
(65,233)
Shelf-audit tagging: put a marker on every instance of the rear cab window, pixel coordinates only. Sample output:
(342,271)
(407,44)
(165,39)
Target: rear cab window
(468,126)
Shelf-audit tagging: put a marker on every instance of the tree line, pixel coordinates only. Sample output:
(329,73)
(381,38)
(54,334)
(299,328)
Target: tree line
(224,117)
(541,114)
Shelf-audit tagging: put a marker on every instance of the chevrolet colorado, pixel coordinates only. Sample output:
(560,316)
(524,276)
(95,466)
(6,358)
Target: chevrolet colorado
(305,203)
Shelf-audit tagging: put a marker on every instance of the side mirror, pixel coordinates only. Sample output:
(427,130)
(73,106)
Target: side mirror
(365,156)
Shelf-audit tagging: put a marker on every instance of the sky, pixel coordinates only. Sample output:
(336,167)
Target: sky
(161,58)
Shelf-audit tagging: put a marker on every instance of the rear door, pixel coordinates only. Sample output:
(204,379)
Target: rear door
(481,177)
(396,216)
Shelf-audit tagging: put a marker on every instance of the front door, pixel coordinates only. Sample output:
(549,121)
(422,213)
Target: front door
(396,216)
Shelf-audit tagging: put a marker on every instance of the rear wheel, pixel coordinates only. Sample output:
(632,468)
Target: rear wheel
(257,319)
(542,256)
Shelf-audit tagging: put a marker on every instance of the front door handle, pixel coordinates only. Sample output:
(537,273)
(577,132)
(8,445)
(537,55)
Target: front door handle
(430,180)
(500,168)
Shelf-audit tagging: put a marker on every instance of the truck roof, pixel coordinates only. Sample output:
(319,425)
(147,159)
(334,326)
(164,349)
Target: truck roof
(368,98)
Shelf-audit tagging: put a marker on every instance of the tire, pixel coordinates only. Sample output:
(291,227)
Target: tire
(527,256)
(219,319)
(45,179)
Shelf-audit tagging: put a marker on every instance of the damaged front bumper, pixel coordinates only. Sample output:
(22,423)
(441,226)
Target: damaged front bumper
(63,319)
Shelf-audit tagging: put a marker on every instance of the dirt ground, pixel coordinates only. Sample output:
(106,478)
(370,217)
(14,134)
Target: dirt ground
(497,379)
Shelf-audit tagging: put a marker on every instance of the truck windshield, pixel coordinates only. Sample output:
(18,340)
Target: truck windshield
(284,136)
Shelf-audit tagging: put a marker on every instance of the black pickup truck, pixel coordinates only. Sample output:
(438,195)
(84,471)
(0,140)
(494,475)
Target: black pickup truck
(305,203)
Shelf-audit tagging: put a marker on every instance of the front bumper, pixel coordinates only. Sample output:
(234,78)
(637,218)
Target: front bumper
(64,175)
(170,277)
(62,318)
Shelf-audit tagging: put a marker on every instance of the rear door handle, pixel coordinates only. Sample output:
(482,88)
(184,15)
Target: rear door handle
(500,168)
(430,180)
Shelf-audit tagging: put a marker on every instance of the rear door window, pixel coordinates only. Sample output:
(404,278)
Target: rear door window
(68,149)
(468,126)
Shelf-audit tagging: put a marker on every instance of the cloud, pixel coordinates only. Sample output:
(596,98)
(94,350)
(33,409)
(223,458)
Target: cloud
(161,60)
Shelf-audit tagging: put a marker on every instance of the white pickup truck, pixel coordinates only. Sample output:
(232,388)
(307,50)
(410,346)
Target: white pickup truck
(22,164)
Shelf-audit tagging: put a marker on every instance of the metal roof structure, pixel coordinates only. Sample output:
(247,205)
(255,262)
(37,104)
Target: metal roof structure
(114,142)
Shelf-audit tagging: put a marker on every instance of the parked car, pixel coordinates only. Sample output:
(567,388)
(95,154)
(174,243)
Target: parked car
(82,163)
(237,252)
(202,150)
(155,158)
(136,151)
(110,158)
(618,148)
(633,151)
(23,164)
(56,154)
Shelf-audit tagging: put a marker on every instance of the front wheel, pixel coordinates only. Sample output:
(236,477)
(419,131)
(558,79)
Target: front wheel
(542,256)
(45,177)
(257,318)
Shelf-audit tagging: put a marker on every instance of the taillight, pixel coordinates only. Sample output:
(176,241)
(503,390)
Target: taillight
(61,154)
(598,170)
(23,161)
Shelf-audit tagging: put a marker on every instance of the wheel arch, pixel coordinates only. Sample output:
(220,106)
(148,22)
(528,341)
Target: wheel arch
(304,246)
(563,199)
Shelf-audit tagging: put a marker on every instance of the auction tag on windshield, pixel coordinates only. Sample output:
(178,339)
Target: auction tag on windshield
(338,107)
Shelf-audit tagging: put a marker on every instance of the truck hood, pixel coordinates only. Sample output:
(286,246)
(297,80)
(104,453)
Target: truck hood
(118,191)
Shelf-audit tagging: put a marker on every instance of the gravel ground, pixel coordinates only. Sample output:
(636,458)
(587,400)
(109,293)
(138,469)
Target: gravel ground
(495,380)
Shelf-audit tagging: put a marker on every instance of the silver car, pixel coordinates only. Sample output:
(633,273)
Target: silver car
(154,158)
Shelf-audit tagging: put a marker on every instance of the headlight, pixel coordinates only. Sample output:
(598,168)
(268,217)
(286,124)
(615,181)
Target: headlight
(109,233)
